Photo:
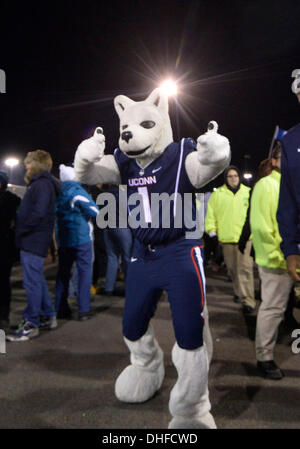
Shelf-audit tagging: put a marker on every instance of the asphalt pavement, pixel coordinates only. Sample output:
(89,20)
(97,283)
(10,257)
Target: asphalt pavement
(64,379)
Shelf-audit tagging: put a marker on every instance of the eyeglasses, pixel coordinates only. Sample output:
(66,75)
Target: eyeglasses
(232,176)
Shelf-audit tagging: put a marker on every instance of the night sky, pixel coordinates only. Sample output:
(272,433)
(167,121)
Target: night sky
(65,63)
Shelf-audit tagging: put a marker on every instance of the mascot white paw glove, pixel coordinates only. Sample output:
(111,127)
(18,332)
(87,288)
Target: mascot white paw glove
(211,146)
(92,149)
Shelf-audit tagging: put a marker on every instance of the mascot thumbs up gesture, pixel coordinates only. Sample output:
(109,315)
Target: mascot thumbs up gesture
(149,162)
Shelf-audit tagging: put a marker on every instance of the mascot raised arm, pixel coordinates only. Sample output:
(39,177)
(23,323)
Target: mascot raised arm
(149,162)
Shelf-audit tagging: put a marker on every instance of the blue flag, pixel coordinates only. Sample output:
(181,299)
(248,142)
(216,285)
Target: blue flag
(278,135)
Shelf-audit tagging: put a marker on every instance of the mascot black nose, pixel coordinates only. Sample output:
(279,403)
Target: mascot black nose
(126,135)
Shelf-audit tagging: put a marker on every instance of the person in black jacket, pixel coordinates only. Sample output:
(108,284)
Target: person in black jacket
(9,202)
(34,229)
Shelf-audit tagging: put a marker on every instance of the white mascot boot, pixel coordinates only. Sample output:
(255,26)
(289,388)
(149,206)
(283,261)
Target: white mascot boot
(139,381)
(189,402)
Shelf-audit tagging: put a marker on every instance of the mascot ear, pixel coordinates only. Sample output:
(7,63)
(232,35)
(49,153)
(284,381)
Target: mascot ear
(121,102)
(159,99)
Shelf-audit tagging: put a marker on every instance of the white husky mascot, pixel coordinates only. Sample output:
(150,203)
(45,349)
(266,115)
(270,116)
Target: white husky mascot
(149,162)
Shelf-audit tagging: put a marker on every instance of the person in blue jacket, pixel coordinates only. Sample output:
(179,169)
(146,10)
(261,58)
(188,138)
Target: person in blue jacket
(74,210)
(34,229)
(288,213)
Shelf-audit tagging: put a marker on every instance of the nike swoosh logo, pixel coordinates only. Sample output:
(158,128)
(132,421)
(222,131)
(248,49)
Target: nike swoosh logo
(156,169)
(133,259)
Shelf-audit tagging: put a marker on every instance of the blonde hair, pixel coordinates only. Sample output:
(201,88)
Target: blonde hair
(39,161)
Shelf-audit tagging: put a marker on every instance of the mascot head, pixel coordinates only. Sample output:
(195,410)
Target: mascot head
(145,128)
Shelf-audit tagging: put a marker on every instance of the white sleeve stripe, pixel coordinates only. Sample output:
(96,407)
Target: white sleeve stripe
(79,198)
(178,176)
(94,209)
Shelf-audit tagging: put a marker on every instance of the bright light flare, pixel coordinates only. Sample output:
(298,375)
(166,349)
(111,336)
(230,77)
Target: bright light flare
(11,162)
(169,87)
(248,175)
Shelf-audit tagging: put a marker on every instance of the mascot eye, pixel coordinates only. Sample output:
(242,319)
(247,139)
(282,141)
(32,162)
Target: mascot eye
(124,126)
(147,124)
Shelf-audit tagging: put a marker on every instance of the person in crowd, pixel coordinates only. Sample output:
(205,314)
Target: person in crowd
(118,244)
(264,169)
(212,250)
(225,217)
(275,281)
(74,210)
(9,203)
(289,322)
(34,228)
(288,213)
(297,295)
(73,283)
(53,249)
(100,257)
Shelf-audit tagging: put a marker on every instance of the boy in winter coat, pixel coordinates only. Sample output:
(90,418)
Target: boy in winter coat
(74,210)
(34,228)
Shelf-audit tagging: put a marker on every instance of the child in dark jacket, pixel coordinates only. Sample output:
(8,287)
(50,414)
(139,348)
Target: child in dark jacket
(74,210)
(34,228)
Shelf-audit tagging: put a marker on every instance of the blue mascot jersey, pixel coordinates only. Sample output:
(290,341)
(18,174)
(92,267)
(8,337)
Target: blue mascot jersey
(164,175)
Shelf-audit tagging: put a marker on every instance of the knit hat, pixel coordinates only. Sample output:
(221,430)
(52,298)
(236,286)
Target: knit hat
(66,173)
(3,180)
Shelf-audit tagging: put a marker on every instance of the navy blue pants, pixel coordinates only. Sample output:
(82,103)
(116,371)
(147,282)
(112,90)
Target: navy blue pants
(82,256)
(38,297)
(176,268)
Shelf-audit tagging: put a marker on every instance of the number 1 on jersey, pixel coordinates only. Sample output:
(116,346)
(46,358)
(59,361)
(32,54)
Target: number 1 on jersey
(146,203)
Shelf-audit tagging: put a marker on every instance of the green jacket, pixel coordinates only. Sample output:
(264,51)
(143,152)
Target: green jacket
(226,213)
(264,227)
